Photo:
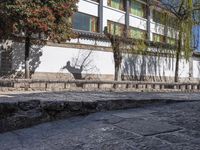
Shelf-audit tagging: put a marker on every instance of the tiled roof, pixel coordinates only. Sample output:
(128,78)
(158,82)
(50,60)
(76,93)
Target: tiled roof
(88,34)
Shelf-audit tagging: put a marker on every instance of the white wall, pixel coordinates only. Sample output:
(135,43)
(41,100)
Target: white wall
(137,22)
(112,14)
(53,59)
(196,68)
(157,28)
(138,65)
(88,7)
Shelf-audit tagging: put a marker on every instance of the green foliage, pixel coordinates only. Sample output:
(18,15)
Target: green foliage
(186,13)
(184,16)
(47,17)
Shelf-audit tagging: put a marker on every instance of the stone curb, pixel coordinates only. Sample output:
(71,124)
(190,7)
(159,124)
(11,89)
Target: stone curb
(22,114)
(90,85)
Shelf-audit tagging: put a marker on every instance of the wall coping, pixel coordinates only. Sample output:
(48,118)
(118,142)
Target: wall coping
(94,82)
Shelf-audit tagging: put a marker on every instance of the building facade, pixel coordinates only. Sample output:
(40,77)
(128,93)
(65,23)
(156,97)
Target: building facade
(89,55)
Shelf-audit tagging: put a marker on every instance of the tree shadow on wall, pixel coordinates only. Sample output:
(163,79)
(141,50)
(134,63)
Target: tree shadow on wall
(76,72)
(80,65)
(16,55)
(143,67)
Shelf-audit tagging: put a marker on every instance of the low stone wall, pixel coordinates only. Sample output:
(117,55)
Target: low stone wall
(27,113)
(87,85)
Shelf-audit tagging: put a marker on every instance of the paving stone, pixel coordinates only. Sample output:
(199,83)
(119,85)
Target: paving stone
(173,138)
(150,143)
(147,127)
(123,134)
(192,133)
(117,145)
(134,113)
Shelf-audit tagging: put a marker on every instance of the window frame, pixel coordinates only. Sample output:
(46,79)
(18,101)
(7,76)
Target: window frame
(122,26)
(144,8)
(122,5)
(163,38)
(97,22)
(144,32)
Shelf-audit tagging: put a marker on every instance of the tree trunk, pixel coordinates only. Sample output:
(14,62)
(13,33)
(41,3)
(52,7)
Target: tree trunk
(176,77)
(118,60)
(27,51)
(178,53)
(117,72)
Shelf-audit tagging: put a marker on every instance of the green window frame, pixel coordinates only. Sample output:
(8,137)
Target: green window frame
(115,28)
(158,38)
(171,41)
(118,4)
(158,17)
(138,9)
(137,33)
(85,22)
(165,19)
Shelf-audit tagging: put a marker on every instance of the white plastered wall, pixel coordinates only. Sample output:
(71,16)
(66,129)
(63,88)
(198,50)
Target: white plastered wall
(196,67)
(52,59)
(138,65)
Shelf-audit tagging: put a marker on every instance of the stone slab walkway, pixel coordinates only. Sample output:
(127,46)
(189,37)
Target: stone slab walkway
(173,126)
(19,110)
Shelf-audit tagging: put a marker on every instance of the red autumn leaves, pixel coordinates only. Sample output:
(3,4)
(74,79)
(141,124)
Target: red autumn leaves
(49,17)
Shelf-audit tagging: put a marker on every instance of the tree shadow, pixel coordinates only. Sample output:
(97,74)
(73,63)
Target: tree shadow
(12,60)
(143,67)
(80,65)
(134,67)
(76,72)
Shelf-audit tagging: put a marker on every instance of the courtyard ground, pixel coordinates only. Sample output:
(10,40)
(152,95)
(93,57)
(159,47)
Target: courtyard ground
(174,126)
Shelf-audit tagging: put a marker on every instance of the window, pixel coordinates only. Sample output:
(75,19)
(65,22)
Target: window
(165,19)
(137,33)
(115,28)
(158,17)
(118,4)
(171,41)
(138,8)
(158,38)
(84,22)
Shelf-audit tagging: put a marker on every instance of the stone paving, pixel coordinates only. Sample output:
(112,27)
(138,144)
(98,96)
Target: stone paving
(24,109)
(173,126)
